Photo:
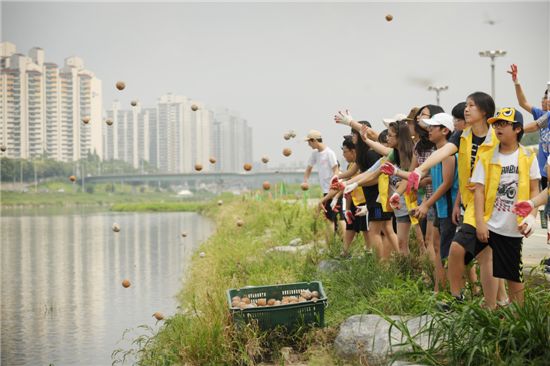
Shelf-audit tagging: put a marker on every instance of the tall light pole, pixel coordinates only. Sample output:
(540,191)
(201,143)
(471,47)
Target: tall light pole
(438,89)
(492,54)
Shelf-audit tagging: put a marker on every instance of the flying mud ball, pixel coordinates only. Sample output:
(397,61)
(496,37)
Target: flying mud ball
(287,151)
(133,103)
(304,186)
(247,167)
(194,107)
(220,202)
(202,254)
(120,85)
(286,136)
(198,167)
(116,227)
(266,186)
(72,178)
(86,120)
(126,283)
(212,160)
(109,122)
(240,223)
(389,17)
(3,148)
(158,315)
(265,159)
(184,234)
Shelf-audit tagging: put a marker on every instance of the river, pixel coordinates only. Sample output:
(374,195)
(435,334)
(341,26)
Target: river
(62,301)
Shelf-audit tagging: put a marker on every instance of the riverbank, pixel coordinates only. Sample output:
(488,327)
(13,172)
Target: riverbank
(235,257)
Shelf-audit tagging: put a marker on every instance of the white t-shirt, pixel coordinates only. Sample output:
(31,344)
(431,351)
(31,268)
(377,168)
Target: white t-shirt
(502,220)
(324,161)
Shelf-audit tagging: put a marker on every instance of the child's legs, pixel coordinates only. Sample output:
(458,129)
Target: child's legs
(516,291)
(489,283)
(349,235)
(403,227)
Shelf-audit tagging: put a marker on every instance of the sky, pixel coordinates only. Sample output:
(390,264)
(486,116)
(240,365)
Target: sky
(286,66)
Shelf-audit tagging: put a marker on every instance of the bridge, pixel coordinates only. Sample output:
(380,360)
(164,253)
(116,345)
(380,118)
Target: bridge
(193,180)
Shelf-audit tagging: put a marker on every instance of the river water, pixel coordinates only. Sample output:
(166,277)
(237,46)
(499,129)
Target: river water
(62,301)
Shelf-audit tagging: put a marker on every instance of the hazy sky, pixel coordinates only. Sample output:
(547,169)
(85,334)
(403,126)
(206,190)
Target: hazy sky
(293,65)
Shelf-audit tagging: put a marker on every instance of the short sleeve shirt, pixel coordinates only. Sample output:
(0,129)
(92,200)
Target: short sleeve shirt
(502,220)
(542,117)
(324,161)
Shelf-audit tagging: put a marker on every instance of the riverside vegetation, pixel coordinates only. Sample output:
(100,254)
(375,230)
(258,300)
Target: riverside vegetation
(202,333)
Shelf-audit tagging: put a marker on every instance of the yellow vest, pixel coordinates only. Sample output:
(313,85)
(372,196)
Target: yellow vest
(493,170)
(464,158)
(384,190)
(411,201)
(357,195)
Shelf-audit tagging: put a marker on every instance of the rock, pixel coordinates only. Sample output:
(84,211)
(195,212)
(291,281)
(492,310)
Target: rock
(329,265)
(536,276)
(295,242)
(368,335)
(291,249)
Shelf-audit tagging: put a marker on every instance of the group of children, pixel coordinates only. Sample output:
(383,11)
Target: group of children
(462,181)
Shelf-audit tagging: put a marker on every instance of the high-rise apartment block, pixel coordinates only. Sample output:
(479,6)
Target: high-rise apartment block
(43,109)
(42,106)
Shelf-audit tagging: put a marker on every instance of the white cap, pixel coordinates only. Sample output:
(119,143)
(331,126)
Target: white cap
(397,117)
(441,119)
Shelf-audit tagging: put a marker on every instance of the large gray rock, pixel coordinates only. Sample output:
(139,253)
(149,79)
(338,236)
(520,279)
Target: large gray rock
(329,266)
(369,335)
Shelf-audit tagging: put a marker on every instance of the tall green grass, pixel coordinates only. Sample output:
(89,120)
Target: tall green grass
(202,332)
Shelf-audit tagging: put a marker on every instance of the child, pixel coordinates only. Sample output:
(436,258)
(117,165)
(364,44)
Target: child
(503,176)
(445,187)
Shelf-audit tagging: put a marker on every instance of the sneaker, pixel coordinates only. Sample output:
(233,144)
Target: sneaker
(447,306)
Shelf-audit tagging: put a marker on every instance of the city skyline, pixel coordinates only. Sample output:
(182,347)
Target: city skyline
(293,65)
(54,111)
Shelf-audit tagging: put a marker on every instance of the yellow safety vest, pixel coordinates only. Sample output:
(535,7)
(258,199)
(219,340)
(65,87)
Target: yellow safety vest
(411,201)
(357,195)
(464,158)
(493,170)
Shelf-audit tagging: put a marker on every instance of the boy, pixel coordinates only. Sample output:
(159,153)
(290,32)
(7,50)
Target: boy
(507,174)
(445,187)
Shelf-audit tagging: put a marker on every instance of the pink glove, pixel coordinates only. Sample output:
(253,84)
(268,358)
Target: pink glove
(523,208)
(394,201)
(414,180)
(388,168)
(514,72)
(349,217)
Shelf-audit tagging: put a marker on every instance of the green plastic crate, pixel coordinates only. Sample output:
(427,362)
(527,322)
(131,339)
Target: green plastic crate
(307,313)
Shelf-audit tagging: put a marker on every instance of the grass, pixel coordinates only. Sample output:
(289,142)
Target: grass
(202,332)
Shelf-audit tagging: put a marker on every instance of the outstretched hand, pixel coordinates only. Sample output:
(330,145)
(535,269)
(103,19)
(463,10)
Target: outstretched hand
(523,208)
(343,118)
(514,72)
(388,168)
(414,180)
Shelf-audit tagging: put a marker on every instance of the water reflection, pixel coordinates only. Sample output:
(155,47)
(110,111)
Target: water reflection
(62,299)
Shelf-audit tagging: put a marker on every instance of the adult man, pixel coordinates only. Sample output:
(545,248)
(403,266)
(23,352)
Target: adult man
(324,160)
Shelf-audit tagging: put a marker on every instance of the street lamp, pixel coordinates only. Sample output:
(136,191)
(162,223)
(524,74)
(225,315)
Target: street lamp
(492,54)
(438,89)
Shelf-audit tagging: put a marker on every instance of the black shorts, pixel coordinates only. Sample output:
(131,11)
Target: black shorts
(447,231)
(359,223)
(329,214)
(376,213)
(507,262)
(466,237)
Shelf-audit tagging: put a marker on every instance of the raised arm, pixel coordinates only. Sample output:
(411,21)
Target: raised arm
(519,91)
(437,156)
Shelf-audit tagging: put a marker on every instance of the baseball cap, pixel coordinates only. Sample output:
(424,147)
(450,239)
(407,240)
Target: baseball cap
(313,134)
(397,117)
(441,119)
(507,114)
(412,113)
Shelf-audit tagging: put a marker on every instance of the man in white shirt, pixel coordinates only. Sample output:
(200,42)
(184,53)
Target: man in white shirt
(324,160)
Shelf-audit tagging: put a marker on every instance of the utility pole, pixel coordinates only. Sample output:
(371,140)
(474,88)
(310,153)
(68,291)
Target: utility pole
(492,54)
